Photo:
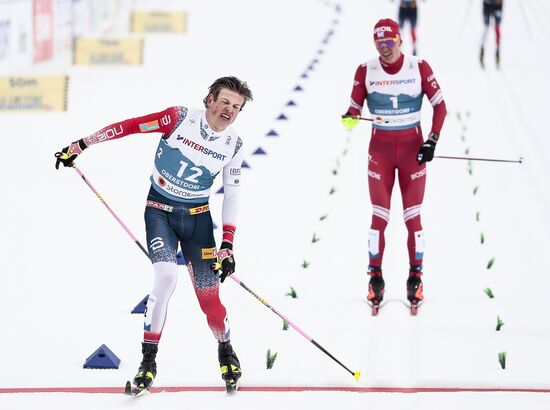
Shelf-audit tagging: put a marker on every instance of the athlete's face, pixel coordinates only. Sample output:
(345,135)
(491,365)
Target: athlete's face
(389,49)
(221,112)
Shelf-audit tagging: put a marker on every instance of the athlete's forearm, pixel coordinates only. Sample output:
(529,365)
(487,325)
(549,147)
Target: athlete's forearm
(440,112)
(163,121)
(231,193)
(230,212)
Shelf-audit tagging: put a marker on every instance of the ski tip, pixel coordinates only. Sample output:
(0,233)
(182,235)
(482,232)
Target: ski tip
(128,388)
(231,388)
(357,375)
(137,391)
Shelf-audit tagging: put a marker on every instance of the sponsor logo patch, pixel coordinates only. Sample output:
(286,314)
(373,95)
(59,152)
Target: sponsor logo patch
(208,253)
(149,126)
(199,209)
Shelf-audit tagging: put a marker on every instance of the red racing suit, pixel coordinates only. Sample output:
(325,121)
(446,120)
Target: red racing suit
(394,96)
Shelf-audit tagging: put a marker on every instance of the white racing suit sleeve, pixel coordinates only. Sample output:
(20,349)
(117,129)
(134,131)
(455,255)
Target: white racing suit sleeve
(231,197)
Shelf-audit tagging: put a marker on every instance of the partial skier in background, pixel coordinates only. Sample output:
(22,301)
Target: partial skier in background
(408,12)
(196,145)
(393,85)
(492,9)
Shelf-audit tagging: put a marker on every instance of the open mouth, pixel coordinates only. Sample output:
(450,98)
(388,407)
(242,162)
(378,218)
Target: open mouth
(225,117)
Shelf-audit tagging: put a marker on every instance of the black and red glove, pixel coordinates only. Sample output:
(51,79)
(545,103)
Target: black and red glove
(68,154)
(427,149)
(226,260)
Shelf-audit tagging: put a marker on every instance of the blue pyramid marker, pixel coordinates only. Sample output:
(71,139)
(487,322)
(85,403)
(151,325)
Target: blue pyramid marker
(282,117)
(220,191)
(272,133)
(245,165)
(298,88)
(102,358)
(259,151)
(140,307)
(290,103)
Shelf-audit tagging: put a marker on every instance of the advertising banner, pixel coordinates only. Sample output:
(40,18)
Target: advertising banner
(33,93)
(42,12)
(90,51)
(159,22)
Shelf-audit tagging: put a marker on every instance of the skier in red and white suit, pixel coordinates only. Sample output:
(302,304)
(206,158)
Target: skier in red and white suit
(393,86)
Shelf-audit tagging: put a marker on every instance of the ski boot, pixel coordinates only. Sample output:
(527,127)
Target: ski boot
(414,288)
(376,288)
(229,366)
(481,56)
(146,372)
(497,58)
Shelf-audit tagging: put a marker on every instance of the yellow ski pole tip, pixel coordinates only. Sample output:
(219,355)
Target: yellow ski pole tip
(357,375)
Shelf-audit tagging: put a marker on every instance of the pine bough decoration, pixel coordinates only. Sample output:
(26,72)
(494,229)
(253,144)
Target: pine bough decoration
(270,358)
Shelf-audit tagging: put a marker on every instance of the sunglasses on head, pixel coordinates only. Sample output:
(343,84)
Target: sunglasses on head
(388,42)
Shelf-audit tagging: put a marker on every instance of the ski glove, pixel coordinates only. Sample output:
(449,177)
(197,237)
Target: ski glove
(226,260)
(349,121)
(426,152)
(70,153)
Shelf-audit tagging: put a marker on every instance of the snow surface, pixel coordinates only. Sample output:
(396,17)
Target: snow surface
(70,275)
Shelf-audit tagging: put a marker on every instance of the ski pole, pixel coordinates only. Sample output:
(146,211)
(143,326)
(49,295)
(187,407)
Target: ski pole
(110,210)
(356,375)
(518,161)
(364,118)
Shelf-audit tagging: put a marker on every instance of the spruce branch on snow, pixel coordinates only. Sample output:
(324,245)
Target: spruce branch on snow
(292,293)
(489,292)
(502,359)
(500,323)
(270,358)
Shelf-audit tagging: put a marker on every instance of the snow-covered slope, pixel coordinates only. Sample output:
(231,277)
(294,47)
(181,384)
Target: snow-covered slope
(70,275)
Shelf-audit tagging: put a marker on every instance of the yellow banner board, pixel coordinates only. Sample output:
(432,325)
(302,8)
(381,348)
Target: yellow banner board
(158,22)
(124,51)
(34,93)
